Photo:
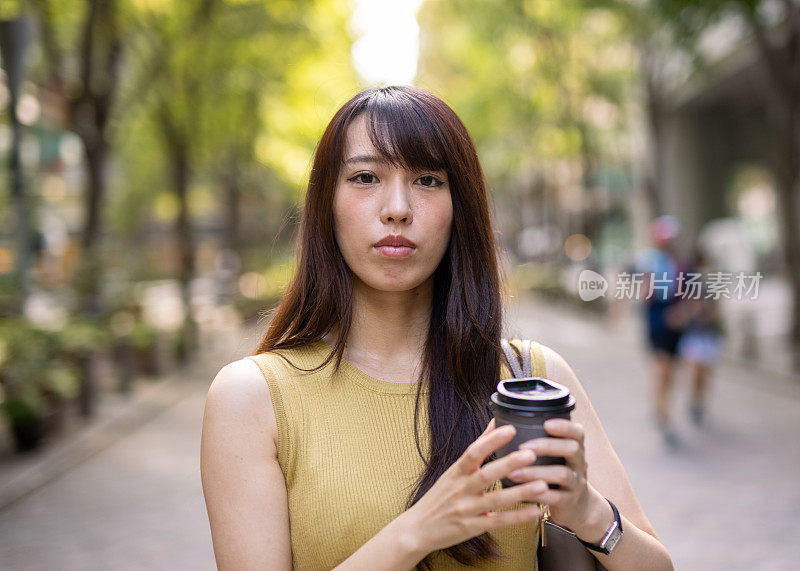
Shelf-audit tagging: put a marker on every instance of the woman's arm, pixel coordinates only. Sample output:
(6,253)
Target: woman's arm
(245,491)
(580,505)
(243,485)
(394,548)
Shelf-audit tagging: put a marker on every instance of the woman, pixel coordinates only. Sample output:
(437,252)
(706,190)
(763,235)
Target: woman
(702,339)
(370,444)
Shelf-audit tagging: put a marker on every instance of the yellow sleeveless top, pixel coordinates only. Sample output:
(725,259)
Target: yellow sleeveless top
(347,451)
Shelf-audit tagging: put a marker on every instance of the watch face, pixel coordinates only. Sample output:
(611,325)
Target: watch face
(613,538)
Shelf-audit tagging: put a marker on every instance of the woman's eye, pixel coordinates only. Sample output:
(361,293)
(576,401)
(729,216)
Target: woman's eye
(430,180)
(369,178)
(360,178)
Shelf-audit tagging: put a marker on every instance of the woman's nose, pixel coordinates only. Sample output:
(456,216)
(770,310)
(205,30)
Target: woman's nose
(396,205)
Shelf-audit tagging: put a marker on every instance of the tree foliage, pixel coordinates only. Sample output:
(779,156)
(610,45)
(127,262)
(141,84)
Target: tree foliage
(530,78)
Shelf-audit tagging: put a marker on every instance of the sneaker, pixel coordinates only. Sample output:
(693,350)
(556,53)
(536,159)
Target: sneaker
(670,437)
(697,413)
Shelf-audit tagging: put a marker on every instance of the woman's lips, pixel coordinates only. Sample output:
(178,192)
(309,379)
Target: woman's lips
(395,251)
(395,246)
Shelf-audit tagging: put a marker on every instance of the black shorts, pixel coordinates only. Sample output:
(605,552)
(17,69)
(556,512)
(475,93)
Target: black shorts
(662,337)
(665,340)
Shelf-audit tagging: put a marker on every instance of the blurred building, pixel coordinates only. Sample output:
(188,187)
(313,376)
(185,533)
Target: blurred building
(720,154)
(721,159)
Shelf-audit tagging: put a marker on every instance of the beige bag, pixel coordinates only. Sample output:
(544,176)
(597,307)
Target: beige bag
(559,548)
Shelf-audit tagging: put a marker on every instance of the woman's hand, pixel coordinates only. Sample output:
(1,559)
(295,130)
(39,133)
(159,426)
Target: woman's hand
(457,507)
(575,504)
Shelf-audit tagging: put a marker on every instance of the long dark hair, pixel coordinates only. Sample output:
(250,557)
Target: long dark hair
(461,360)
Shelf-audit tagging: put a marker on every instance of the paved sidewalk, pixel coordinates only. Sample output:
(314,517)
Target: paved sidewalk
(727,500)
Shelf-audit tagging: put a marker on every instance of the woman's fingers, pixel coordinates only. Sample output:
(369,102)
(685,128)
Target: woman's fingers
(570,450)
(559,474)
(563,428)
(494,520)
(567,442)
(499,468)
(553,498)
(483,446)
(505,497)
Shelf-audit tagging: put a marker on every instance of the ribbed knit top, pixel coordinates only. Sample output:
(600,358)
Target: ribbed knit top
(347,451)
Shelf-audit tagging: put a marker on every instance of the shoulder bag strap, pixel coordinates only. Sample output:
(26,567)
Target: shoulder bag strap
(511,357)
(526,358)
(532,359)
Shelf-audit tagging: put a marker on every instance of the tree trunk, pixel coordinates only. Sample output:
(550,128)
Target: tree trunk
(591,216)
(654,111)
(21,205)
(87,282)
(232,218)
(180,180)
(99,53)
(14,39)
(96,149)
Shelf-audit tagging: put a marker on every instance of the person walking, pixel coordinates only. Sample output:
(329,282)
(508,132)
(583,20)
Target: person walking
(359,435)
(661,266)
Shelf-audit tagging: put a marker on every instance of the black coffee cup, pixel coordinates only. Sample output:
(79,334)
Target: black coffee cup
(527,403)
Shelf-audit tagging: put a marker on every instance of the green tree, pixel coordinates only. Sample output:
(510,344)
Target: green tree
(82,47)
(205,76)
(654,41)
(527,78)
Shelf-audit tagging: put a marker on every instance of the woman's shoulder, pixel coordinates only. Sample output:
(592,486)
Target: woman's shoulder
(239,383)
(240,371)
(554,362)
(239,395)
(559,371)
(253,376)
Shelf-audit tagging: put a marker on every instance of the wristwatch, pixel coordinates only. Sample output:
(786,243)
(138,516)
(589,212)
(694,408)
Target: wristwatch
(611,537)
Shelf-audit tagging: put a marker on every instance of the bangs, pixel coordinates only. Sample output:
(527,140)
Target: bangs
(404,134)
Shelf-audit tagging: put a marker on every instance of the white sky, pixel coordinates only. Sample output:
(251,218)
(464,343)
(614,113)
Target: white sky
(386,51)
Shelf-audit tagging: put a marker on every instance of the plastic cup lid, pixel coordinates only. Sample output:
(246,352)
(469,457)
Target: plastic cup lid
(534,392)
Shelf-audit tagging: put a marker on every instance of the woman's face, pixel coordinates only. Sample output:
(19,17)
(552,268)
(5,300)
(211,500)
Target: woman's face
(376,204)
